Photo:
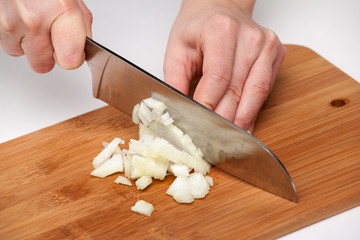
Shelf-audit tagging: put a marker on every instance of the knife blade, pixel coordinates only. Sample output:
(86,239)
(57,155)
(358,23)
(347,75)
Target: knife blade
(122,84)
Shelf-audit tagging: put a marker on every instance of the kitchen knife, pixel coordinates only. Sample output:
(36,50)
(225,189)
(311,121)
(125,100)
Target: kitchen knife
(122,85)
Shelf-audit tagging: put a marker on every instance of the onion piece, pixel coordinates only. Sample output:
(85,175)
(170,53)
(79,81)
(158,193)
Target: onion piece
(127,165)
(135,114)
(143,207)
(175,136)
(106,152)
(143,182)
(117,149)
(157,107)
(180,190)
(113,165)
(209,180)
(123,180)
(166,119)
(145,114)
(179,170)
(141,166)
(159,147)
(198,185)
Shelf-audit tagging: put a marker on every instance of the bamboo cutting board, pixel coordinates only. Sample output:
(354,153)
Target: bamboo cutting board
(311,121)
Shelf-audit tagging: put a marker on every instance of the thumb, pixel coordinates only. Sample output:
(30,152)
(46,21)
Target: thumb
(68,34)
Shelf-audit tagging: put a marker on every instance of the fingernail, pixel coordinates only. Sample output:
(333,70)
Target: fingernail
(251,128)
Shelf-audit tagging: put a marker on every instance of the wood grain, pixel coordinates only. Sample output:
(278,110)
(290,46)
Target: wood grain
(46,191)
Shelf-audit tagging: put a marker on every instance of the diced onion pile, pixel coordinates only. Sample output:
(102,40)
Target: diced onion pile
(162,149)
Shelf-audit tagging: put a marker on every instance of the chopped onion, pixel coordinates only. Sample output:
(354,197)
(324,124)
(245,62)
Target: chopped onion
(159,147)
(180,190)
(127,165)
(145,114)
(209,180)
(143,207)
(106,152)
(179,170)
(123,180)
(135,114)
(141,166)
(117,149)
(146,138)
(162,149)
(143,182)
(113,165)
(166,119)
(175,136)
(198,185)
(157,107)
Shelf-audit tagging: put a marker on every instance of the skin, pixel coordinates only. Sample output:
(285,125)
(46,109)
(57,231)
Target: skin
(46,31)
(236,58)
(216,40)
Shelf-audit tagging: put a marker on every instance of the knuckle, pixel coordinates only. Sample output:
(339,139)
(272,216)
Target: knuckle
(32,22)
(261,89)
(234,94)
(7,25)
(273,40)
(257,36)
(88,15)
(224,24)
(220,77)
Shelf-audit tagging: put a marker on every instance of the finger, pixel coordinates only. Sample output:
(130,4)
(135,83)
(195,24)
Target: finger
(11,45)
(9,39)
(178,66)
(68,34)
(256,90)
(39,52)
(219,53)
(246,55)
(87,17)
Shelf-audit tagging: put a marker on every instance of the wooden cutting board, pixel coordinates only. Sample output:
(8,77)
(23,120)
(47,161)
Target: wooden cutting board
(311,121)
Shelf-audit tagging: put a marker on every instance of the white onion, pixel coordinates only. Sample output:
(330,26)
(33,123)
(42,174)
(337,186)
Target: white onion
(110,166)
(157,107)
(198,185)
(145,114)
(135,114)
(179,170)
(106,152)
(166,119)
(141,166)
(209,180)
(127,165)
(123,180)
(143,182)
(117,149)
(143,207)
(159,147)
(180,190)
(162,149)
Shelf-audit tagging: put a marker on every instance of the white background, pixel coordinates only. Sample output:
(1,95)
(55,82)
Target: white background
(138,30)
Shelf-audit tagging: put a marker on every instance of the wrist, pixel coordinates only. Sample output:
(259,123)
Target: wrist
(246,6)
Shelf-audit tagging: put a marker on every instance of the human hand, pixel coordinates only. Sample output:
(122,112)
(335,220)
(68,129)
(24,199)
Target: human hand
(237,58)
(46,31)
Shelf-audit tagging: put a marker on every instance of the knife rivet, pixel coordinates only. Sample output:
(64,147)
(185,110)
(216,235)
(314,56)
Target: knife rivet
(339,102)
